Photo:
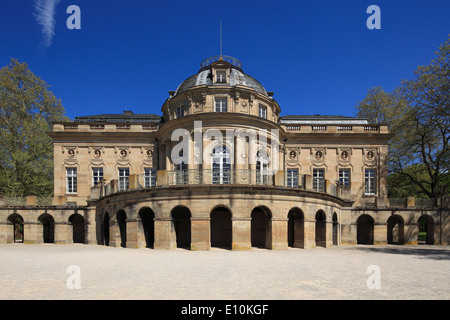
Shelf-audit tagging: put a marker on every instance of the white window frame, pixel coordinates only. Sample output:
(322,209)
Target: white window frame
(221,104)
(97,176)
(221,77)
(344,177)
(124,179)
(262,112)
(319,180)
(149,177)
(292,178)
(370,182)
(71,180)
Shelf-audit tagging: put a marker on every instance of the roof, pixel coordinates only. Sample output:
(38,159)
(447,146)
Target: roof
(321,119)
(237,77)
(125,117)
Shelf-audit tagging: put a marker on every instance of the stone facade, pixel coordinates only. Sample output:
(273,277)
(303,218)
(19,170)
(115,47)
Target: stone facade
(221,167)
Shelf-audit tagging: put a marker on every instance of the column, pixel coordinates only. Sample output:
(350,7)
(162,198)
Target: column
(200,233)
(310,234)
(279,233)
(241,234)
(165,237)
(380,233)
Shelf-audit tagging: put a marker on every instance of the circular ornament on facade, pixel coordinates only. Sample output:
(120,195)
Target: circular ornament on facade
(149,154)
(123,153)
(97,153)
(370,155)
(71,153)
(319,155)
(292,154)
(344,155)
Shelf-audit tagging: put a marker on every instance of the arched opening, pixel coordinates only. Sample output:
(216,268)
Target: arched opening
(181,217)
(17,223)
(426,230)
(335,231)
(48,228)
(260,228)
(395,230)
(221,228)
(106,229)
(321,229)
(296,230)
(78,228)
(148,225)
(364,229)
(122,222)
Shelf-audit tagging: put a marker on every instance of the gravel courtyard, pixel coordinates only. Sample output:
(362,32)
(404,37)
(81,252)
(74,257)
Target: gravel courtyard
(405,272)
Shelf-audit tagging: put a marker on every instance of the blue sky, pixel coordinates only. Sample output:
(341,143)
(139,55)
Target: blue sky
(317,56)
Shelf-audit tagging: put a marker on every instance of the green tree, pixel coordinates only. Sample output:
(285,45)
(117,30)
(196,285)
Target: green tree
(27,110)
(418,115)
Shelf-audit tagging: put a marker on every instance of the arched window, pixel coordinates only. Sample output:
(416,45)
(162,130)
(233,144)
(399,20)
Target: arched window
(221,165)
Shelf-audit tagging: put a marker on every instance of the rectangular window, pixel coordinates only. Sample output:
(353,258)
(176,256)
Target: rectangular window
(124,179)
(344,177)
(221,104)
(221,77)
(318,180)
(370,182)
(180,112)
(292,178)
(71,180)
(150,177)
(263,112)
(97,176)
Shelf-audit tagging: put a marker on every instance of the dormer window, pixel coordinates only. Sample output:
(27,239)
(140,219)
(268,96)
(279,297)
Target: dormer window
(221,77)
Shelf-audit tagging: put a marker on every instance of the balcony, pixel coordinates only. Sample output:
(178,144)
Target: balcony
(238,177)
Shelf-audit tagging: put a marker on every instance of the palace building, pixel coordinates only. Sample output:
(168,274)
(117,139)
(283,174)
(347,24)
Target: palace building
(220,167)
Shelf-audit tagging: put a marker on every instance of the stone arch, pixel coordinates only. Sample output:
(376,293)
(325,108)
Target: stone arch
(296,228)
(395,230)
(106,220)
(181,222)
(321,228)
(147,217)
(48,228)
(364,229)
(425,223)
(17,228)
(221,227)
(261,227)
(335,231)
(121,217)
(78,228)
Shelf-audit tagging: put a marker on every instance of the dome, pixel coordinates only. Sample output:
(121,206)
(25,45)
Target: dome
(237,76)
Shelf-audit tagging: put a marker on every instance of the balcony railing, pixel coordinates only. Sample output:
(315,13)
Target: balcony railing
(224,176)
(213,177)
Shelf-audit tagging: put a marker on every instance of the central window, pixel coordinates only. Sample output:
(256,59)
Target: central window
(221,105)
(221,165)
(71,180)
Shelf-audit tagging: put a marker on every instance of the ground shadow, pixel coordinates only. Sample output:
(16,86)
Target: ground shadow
(422,251)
